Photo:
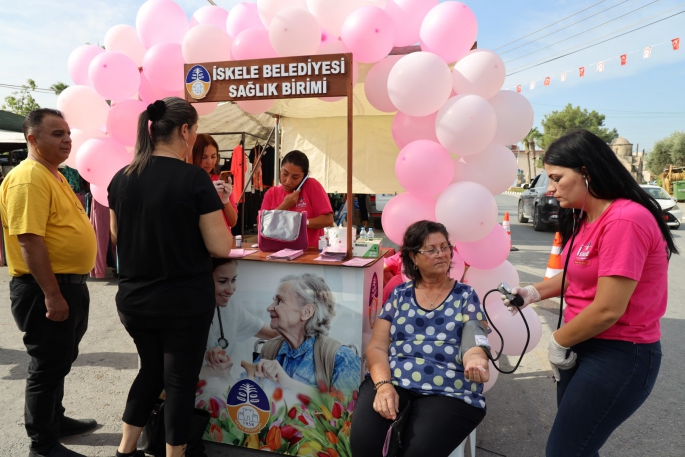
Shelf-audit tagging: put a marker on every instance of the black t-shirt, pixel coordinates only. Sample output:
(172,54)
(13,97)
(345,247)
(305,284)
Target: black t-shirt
(164,266)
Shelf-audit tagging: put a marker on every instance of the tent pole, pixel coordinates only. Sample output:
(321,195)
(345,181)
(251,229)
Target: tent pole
(277,153)
(350,121)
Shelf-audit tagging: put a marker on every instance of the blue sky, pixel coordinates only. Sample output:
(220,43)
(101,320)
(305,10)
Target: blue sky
(644,100)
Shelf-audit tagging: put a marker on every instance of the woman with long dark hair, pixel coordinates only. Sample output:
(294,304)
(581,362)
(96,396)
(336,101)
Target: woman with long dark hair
(166,221)
(606,357)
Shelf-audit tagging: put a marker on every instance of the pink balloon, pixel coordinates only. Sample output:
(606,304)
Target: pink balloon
(268,9)
(149,93)
(161,21)
(487,252)
(419,83)
(484,280)
(78,137)
(79,61)
(468,210)
(114,76)
(327,38)
(205,108)
(331,14)
(403,210)
(124,39)
(494,374)
(294,31)
(408,16)
(211,15)
(406,129)
(83,108)
(466,124)
(369,32)
(376,84)
(424,168)
(252,44)
(100,194)
(195,46)
(480,72)
(99,159)
(514,117)
(163,66)
(495,168)
(457,266)
(514,332)
(449,30)
(122,122)
(338,47)
(256,106)
(243,16)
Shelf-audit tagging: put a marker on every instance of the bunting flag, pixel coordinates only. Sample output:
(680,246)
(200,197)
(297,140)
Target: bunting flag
(676,43)
(532,85)
(582,71)
(647,52)
(563,77)
(518,88)
(548,80)
(600,66)
(624,59)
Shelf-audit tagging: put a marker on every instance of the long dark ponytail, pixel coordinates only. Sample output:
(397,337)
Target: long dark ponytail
(156,125)
(608,178)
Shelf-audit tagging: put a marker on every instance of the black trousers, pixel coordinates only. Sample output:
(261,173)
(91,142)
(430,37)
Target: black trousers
(436,425)
(171,351)
(53,347)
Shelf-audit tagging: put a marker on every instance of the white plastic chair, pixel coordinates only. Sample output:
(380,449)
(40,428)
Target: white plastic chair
(459,451)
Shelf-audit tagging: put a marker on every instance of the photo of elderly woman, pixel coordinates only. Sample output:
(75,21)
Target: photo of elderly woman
(304,357)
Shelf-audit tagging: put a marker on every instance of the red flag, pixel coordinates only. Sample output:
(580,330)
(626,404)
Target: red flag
(624,59)
(518,88)
(548,80)
(582,71)
(676,43)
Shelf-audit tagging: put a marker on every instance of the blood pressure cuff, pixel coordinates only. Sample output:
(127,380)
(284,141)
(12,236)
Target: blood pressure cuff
(474,334)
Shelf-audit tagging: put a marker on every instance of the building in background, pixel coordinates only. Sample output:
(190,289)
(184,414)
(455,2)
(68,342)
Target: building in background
(633,161)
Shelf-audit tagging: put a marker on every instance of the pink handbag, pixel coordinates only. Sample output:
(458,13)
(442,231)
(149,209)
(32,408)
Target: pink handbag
(280,229)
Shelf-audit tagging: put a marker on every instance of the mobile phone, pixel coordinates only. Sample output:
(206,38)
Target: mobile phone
(505,290)
(306,177)
(226,176)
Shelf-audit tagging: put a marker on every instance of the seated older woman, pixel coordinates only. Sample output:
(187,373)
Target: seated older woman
(304,357)
(425,354)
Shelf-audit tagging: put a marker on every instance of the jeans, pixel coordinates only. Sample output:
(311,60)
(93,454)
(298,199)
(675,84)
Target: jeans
(171,351)
(436,426)
(609,383)
(53,347)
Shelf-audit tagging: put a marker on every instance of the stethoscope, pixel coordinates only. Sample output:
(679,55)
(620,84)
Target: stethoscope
(223,342)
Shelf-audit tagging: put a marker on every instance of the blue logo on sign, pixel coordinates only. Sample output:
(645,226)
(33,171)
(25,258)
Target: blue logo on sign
(198,82)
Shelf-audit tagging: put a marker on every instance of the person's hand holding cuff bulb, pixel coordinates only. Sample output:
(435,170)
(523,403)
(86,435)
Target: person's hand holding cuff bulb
(529,294)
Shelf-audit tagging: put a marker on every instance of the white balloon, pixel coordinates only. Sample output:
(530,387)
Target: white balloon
(331,14)
(466,124)
(376,84)
(468,211)
(514,116)
(268,9)
(419,84)
(124,39)
(294,32)
(494,168)
(195,48)
(485,280)
(480,72)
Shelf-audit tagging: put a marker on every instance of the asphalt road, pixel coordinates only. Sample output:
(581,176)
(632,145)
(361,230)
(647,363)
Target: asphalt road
(521,407)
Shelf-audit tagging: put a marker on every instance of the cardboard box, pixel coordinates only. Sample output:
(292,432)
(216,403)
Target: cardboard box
(369,248)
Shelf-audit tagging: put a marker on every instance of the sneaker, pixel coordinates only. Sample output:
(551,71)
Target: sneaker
(69,426)
(56,451)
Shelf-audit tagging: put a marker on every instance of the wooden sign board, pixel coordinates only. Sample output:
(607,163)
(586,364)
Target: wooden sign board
(326,75)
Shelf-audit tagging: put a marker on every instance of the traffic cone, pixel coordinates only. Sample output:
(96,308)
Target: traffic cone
(554,265)
(506,225)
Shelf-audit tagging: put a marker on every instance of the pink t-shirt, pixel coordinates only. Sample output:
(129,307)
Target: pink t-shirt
(625,241)
(313,202)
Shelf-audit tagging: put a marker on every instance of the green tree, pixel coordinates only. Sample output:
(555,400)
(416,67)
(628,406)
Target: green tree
(557,123)
(22,102)
(668,151)
(58,87)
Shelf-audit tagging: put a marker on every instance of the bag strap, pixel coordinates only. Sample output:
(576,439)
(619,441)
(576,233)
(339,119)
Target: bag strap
(325,349)
(270,348)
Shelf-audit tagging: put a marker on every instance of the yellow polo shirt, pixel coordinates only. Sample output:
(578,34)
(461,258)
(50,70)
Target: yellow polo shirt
(33,201)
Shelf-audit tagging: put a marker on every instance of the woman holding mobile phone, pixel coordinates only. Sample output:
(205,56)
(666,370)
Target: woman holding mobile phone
(300,192)
(206,156)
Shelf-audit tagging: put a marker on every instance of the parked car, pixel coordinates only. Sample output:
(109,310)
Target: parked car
(539,205)
(376,202)
(673,215)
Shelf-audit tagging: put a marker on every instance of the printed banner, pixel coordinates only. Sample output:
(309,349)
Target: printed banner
(292,405)
(624,59)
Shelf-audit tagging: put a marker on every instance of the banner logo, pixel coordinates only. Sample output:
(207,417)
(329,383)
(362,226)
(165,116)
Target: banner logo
(248,406)
(198,82)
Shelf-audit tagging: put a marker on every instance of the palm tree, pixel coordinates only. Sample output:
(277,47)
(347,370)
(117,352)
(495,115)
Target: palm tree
(529,145)
(58,87)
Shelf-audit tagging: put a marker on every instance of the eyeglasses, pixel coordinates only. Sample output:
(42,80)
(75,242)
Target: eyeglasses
(445,249)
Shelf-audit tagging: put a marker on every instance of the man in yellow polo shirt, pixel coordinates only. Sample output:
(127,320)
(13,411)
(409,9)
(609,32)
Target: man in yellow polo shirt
(51,248)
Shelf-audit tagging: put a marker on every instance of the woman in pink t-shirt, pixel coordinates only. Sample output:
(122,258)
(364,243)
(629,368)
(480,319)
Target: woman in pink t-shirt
(606,357)
(310,199)
(206,156)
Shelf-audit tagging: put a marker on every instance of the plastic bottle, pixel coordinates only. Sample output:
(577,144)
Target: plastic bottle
(362,234)
(370,233)
(238,241)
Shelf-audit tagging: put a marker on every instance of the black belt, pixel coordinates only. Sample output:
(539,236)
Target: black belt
(61,279)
